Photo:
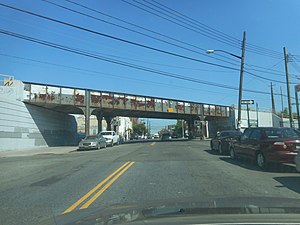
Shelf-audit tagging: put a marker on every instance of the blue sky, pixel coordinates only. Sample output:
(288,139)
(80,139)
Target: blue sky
(269,25)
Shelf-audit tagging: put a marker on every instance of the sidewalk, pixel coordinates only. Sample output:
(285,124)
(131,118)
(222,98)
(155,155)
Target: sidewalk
(37,151)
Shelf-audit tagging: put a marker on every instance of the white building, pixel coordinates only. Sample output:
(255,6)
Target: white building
(262,118)
(124,126)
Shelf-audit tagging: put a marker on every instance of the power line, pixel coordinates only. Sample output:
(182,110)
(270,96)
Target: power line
(131,24)
(126,41)
(263,71)
(212,29)
(184,19)
(88,71)
(135,31)
(198,22)
(157,72)
(264,78)
(176,13)
(117,38)
(179,24)
(257,51)
(138,26)
(143,28)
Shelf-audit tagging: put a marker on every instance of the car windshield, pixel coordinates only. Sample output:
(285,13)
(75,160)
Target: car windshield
(150,106)
(230,133)
(282,133)
(90,137)
(106,133)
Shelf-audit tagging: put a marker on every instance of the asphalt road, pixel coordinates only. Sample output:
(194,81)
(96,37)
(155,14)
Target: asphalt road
(35,188)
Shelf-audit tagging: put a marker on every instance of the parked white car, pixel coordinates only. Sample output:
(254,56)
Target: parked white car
(111,138)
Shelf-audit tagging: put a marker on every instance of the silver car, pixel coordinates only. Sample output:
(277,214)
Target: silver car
(92,142)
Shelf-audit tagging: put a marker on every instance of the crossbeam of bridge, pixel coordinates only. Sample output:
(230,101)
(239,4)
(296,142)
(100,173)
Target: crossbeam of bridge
(110,104)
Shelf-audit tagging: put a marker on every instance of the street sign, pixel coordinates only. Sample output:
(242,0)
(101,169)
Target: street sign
(247,102)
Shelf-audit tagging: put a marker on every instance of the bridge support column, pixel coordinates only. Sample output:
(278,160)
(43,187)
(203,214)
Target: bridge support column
(99,119)
(108,122)
(87,113)
(191,128)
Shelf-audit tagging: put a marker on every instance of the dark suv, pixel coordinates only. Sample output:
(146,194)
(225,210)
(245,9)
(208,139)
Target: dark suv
(223,139)
(267,145)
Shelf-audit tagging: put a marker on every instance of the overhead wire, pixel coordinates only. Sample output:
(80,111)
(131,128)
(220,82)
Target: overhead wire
(212,29)
(97,11)
(116,38)
(122,63)
(119,39)
(185,25)
(184,22)
(176,13)
(106,74)
(135,31)
(76,11)
(144,28)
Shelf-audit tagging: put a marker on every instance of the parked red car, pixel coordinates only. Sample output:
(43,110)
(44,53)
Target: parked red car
(266,145)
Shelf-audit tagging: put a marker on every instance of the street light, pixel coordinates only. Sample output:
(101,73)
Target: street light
(241,76)
(212,51)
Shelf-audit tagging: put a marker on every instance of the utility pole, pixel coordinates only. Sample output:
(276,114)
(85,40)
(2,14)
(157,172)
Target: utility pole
(248,116)
(256,114)
(272,99)
(282,107)
(182,128)
(297,89)
(241,82)
(288,87)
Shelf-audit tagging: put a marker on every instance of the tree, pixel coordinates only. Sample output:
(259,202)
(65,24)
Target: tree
(163,131)
(139,128)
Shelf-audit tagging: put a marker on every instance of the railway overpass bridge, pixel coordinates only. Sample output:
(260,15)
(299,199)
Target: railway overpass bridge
(107,105)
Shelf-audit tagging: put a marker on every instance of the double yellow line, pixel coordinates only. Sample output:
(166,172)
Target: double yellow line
(110,180)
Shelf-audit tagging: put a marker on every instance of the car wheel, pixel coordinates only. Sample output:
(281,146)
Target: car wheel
(232,153)
(220,149)
(98,146)
(260,160)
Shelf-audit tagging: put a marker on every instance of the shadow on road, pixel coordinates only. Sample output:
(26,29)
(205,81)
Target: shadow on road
(212,152)
(272,168)
(292,183)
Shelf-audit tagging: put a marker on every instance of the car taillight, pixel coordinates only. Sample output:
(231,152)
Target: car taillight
(280,145)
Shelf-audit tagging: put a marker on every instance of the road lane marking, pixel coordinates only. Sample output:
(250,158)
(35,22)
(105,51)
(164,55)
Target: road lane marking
(153,143)
(83,198)
(100,192)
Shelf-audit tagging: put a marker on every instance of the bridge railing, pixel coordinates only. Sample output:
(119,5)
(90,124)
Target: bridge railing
(49,94)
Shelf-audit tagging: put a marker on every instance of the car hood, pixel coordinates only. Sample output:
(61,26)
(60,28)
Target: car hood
(124,213)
